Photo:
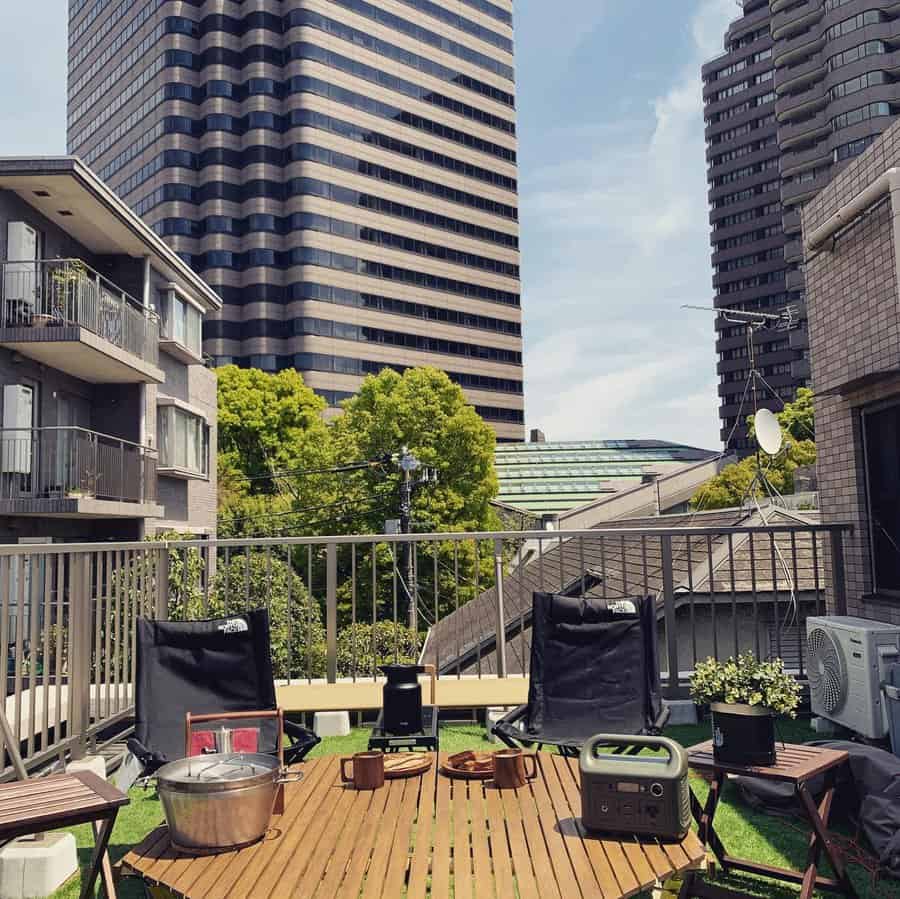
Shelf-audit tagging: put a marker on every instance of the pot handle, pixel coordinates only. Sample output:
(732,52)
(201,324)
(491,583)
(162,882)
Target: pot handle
(190,720)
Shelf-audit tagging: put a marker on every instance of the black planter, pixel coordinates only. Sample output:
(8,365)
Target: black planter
(743,734)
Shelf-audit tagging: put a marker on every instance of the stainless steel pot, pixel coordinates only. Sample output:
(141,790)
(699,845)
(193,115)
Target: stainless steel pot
(218,801)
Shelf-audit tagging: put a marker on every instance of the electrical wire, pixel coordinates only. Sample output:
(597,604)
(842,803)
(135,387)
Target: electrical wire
(302,472)
(261,515)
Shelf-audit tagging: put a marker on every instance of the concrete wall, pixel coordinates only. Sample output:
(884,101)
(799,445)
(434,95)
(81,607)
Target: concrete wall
(854,323)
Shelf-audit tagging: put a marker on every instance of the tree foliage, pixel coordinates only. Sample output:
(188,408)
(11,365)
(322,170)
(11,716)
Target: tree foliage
(731,486)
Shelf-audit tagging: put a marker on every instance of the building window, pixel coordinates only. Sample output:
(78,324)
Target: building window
(881,429)
(180,321)
(183,441)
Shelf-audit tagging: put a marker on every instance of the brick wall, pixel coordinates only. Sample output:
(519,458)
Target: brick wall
(854,327)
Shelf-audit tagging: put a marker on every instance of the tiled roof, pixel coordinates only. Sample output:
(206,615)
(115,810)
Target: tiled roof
(632,564)
(554,477)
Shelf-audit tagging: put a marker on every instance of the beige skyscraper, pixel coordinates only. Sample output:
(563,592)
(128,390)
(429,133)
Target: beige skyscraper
(343,172)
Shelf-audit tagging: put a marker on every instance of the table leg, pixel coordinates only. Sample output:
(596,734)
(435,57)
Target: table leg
(704,817)
(818,819)
(106,871)
(100,845)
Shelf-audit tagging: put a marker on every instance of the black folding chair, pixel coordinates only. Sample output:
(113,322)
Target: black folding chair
(594,669)
(205,667)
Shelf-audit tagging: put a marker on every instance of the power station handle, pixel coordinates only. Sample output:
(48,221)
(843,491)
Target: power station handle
(644,742)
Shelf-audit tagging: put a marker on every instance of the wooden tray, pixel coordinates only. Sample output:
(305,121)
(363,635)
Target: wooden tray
(406,764)
(449,770)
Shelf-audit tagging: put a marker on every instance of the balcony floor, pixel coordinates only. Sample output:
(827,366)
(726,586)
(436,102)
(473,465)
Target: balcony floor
(82,354)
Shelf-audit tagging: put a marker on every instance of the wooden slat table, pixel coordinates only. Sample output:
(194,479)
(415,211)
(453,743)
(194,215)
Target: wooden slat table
(794,764)
(425,836)
(63,800)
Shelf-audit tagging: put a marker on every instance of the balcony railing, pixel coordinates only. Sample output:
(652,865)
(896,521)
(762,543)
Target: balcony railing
(340,606)
(52,293)
(74,463)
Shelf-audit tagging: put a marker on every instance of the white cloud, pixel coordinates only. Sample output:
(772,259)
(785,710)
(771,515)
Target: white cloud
(615,240)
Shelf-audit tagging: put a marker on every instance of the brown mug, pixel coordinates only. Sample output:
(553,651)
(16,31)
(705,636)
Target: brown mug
(510,770)
(368,770)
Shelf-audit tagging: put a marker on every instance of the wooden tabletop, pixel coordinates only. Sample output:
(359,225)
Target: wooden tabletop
(60,800)
(794,762)
(427,834)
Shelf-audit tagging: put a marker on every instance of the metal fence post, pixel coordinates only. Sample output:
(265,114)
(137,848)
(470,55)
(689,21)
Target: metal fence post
(501,612)
(331,612)
(838,572)
(161,611)
(80,662)
(668,575)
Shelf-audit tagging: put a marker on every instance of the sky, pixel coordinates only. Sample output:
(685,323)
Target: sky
(613,210)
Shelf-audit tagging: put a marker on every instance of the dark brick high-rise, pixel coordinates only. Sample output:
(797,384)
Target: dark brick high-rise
(803,86)
(343,172)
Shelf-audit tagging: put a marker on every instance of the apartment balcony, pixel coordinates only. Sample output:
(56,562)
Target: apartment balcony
(63,314)
(74,472)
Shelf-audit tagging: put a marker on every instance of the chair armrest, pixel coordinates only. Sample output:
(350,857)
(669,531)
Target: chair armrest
(507,729)
(302,740)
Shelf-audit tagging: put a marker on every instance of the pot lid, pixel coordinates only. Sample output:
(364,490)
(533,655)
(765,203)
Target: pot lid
(220,770)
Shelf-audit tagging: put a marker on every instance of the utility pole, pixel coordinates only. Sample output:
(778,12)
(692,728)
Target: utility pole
(409,464)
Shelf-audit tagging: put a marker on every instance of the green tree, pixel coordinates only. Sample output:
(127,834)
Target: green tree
(731,486)
(425,411)
(272,423)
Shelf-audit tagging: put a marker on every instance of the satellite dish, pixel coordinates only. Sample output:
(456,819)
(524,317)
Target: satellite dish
(768,432)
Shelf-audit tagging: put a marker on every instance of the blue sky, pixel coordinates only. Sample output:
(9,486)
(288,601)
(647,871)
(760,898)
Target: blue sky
(615,236)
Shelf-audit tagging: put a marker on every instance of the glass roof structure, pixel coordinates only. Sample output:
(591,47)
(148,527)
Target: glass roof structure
(548,478)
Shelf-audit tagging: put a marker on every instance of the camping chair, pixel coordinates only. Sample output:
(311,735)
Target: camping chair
(594,669)
(201,668)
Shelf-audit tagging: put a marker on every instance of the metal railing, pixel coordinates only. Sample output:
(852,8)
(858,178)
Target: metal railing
(52,293)
(74,463)
(341,606)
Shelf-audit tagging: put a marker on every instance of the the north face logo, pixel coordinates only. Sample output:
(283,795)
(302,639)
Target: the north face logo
(234,626)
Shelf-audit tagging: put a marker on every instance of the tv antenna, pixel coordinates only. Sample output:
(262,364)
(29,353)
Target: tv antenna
(769,438)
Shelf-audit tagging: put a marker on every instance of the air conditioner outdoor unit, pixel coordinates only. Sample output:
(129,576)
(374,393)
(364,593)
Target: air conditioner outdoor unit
(20,270)
(847,661)
(17,439)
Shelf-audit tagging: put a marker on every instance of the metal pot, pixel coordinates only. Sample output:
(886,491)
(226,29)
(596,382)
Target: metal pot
(218,801)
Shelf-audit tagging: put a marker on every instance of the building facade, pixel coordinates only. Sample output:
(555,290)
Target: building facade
(853,295)
(781,122)
(342,172)
(108,413)
(749,271)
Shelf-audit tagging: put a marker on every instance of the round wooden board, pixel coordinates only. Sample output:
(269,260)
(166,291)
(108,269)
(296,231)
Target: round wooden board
(462,774)
(422,764)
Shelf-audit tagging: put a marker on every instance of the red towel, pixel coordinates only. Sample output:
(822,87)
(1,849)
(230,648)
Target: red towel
(203,741)
(245,739)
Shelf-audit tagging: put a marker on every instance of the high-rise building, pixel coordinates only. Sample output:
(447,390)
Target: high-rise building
(749,271)
(802,87)
(343,172)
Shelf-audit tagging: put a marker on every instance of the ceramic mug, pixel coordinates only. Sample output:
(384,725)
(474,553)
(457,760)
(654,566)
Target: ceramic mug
(368,770)
(510,770)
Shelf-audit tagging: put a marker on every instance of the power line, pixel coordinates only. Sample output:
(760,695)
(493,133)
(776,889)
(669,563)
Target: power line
(340,502)
(302,472)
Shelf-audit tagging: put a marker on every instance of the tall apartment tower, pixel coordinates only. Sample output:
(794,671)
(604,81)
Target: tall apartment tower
(343,172)
(749,270)
(803,86)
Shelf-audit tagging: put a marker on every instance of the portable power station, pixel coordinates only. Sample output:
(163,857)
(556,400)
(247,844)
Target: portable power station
(639,794)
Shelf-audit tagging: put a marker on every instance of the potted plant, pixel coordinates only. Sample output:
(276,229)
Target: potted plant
(744,696)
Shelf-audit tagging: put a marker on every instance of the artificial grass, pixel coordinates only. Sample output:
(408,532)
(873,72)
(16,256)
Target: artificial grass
(763,838)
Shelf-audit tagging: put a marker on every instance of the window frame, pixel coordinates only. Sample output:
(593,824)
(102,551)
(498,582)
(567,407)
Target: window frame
(170,466)
(864,414)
